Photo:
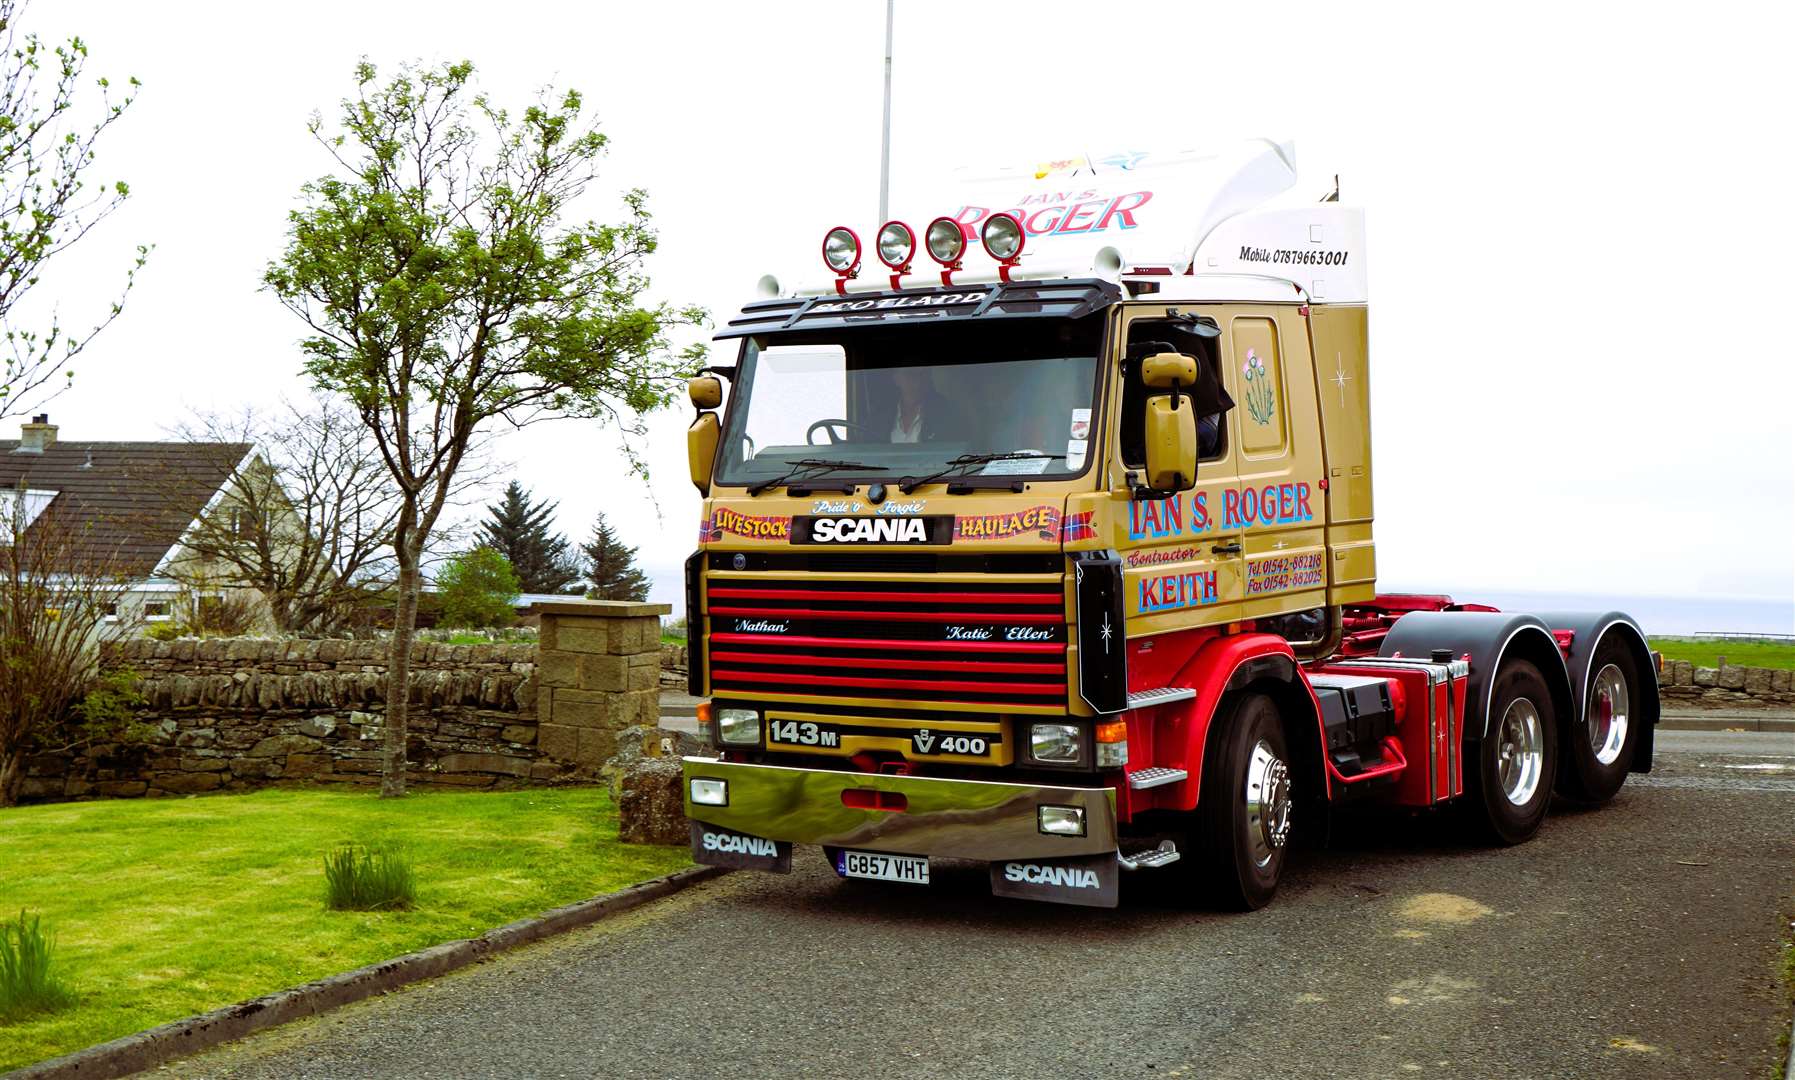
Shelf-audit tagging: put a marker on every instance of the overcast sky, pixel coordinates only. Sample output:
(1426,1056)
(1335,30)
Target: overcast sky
(1579,225)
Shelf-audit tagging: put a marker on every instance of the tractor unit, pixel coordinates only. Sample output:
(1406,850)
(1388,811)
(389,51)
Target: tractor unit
(1037,532)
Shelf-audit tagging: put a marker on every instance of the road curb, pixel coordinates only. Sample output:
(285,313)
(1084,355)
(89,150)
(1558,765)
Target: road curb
(1727,723)
(179,1038)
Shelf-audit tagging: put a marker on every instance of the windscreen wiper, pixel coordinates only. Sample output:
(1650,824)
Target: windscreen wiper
(967,461)
(809,468)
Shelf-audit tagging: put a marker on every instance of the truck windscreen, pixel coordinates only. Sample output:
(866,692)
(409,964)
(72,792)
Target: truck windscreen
(909,400)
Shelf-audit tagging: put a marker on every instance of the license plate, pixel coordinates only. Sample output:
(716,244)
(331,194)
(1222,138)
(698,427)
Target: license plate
(909,869)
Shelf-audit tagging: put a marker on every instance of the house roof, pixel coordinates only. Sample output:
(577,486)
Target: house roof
(132,501)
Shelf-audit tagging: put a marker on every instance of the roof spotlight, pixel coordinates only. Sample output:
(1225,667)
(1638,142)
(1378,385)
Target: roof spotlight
(1002,237)
(947,241)
(841,250)
(897,245)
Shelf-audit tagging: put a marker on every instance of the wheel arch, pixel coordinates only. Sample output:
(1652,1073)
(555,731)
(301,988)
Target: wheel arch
(1486,639)
(1241,663)
(1589,630)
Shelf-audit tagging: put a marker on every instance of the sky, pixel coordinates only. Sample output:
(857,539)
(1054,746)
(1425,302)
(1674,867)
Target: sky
(1578,227)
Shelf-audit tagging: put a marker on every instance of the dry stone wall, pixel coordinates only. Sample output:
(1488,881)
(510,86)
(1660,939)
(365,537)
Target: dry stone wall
(244,712)
(1683,682)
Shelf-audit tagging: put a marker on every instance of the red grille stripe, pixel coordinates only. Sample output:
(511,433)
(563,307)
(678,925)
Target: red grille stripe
(897,616)
(1039,599)
(799,679)
(722,656)
(806,642)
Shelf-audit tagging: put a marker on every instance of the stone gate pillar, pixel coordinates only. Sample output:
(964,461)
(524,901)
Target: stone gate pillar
(597,671)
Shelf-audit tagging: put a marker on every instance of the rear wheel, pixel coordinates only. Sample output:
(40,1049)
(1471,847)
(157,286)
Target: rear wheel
(1600,750)
(1244,811)
(1512,784)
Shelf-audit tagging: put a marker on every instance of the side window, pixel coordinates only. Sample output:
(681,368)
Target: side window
(1145,338)
(1259,376)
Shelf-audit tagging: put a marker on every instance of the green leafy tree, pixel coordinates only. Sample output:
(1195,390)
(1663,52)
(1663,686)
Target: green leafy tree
(447,286)
(611,566)
(519,527)
(48,132)
(478,589)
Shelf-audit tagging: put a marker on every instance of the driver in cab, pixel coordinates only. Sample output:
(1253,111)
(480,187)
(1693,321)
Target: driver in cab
(918,413)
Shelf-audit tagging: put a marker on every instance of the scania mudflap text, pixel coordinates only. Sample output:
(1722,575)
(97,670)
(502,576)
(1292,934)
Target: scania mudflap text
(1043,538)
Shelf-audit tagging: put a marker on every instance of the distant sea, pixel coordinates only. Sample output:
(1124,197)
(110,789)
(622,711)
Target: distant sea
(1657,615)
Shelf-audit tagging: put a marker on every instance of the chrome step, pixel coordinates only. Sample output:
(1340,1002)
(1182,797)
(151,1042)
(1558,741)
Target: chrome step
(1146,699)
(1166,853)
(1155,777)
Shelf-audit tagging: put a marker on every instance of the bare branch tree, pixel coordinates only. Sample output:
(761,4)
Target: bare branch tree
(307,518)
(46,205)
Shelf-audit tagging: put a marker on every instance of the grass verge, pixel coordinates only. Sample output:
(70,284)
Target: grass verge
(1705,653)
(164,908)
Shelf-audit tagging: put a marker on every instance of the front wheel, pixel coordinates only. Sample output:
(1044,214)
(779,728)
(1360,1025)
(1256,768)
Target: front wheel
(1512,784)
(1244,809)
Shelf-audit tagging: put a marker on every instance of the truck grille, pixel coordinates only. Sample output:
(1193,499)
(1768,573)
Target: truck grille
(996,641)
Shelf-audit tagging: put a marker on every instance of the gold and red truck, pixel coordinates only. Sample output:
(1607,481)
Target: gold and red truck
(1040,535)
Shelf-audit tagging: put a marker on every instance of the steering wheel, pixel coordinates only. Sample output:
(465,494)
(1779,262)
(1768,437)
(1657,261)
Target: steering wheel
(829,425)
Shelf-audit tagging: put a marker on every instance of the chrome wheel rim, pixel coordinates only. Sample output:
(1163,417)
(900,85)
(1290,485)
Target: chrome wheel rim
(1520,751)
(1268,803)
(1608,714)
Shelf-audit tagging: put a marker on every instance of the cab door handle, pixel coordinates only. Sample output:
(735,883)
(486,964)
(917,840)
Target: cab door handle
(1232,547)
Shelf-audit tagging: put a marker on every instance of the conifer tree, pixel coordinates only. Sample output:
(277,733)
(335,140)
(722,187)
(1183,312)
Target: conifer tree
(518,528)
(611,566)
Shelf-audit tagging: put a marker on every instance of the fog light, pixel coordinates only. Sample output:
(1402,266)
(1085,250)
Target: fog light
(1057,744)
(738,727)
(716,792)
(1003,237)
(1060,820)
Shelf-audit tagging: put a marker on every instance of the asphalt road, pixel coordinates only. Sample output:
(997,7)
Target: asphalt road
(1633,941)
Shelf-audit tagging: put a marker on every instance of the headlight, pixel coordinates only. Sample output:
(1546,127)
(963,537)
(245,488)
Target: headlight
(1002,237)
(947,241)
(896,244)
(738,727)
(713,792)
(841,250)
(1057,744)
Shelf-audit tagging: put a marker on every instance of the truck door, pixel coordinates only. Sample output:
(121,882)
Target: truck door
(1182,563)
(1275,504)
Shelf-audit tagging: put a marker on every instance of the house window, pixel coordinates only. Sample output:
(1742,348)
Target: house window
(111,611)
(19,508)
(155,611)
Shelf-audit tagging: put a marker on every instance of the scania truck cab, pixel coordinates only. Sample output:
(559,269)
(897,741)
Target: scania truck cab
(1040,535)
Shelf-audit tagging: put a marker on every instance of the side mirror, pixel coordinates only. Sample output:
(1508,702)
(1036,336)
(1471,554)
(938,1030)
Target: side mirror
(1169,371)
(706,392)
(1171,430)
(701,448)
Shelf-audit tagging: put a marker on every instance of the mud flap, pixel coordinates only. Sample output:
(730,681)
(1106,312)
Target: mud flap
(1086,880)
(720,847)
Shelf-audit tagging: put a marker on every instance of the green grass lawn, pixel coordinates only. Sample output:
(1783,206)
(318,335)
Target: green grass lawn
(1705,653)
(163,908)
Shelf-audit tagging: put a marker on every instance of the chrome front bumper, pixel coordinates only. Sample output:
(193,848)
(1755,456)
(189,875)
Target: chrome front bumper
(962,819)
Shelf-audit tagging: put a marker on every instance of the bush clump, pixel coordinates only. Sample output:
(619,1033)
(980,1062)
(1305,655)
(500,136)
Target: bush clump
(28,981)
(368,879)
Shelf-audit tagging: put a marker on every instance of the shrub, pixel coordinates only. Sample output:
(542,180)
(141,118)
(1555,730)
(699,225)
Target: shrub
(368,879)
(477,589)
(27,982)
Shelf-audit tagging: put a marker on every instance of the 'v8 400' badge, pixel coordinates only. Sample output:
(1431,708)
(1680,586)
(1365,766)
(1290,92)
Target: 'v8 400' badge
(928,742)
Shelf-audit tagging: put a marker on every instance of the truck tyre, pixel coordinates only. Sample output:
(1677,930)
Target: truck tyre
(1512,784)
(1244,812)
(1600,750)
